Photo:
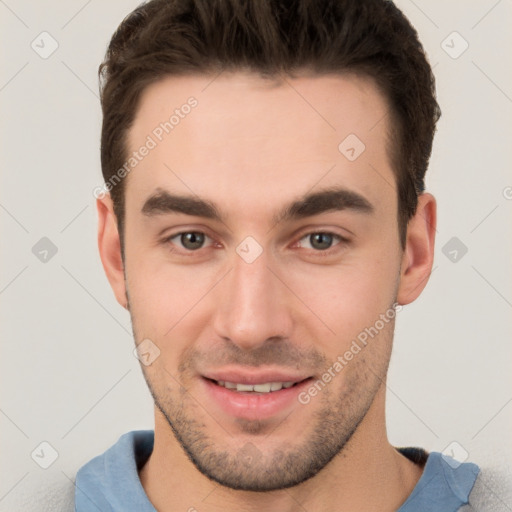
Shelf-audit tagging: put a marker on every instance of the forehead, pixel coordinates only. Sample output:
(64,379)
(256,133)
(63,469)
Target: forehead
(238,135)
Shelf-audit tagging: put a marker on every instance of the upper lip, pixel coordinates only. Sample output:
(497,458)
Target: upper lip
(248,376)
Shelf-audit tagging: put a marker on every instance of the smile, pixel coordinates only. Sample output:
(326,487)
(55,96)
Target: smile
(263,399)
(267,387)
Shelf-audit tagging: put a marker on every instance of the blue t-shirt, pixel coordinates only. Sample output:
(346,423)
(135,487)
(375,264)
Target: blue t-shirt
(110,482)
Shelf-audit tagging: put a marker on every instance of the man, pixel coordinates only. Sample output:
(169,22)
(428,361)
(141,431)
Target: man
(263,220)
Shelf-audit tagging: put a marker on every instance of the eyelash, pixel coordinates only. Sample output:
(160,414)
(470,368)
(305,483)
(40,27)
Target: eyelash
(322,253)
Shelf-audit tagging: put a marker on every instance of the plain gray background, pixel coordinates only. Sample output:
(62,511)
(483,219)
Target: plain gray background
(68,374)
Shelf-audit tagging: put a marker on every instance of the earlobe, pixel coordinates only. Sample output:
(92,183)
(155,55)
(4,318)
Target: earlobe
(109,246)
(418,256)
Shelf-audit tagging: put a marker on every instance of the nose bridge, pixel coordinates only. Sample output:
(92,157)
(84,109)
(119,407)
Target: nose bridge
(251,308)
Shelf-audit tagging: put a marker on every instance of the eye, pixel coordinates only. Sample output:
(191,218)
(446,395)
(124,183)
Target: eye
(320,241)
(189,240)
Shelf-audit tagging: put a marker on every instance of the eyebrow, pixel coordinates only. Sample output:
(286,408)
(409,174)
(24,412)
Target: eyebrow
(161,202)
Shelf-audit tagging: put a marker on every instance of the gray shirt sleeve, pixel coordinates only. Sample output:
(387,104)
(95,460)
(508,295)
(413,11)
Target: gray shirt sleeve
(489,494)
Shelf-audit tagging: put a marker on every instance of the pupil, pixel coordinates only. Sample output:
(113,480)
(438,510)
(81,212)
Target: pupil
(192,240)
(321,240)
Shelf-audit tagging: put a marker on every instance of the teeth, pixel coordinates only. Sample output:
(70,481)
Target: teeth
(244,387)
(266,387)
(263,388)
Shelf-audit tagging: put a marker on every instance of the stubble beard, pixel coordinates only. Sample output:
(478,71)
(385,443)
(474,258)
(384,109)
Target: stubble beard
(247,467)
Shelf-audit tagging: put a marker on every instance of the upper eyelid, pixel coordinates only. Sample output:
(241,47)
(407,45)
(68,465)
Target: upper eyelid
(339,236)
(306,233)
(325,232)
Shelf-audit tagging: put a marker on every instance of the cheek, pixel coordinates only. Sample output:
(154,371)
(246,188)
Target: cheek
(347,299)
(164,297)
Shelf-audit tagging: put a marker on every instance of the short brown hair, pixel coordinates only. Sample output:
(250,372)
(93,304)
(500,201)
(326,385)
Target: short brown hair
(369,37)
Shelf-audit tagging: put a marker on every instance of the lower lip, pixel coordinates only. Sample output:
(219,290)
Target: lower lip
(254,406)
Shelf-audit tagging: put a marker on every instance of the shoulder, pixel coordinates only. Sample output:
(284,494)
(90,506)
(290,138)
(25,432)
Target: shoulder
(449,485)
(51,493)
(444,485)
(110,481)
(131,450)
(492,492)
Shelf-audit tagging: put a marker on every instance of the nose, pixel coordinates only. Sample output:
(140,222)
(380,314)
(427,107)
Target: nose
(252,304)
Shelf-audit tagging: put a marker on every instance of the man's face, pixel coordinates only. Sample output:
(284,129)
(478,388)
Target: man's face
(253,296)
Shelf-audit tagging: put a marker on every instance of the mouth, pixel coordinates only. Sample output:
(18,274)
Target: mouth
(263,388)
(254,397)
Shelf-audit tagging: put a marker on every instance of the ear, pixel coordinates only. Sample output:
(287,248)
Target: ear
(110,248)
(418,256)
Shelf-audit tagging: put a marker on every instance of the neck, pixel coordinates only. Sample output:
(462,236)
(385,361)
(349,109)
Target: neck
(369,474)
